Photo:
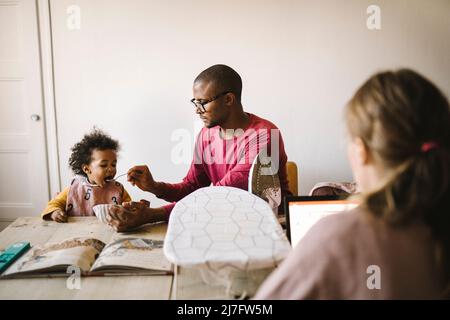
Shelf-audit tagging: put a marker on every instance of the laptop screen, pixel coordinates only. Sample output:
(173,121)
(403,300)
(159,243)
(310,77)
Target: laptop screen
(304,211)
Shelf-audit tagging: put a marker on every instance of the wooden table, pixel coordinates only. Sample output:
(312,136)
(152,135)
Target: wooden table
(39,232)
(186,284)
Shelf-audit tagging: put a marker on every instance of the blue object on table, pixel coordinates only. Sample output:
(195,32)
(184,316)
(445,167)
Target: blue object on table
(12,253)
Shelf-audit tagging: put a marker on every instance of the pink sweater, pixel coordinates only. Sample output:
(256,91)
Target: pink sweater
(354,255)
(227,162)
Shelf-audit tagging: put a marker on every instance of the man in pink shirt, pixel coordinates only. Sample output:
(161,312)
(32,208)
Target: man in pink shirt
(224,150)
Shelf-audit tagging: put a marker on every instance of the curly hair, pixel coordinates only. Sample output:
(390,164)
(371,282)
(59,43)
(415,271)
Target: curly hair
(82,151)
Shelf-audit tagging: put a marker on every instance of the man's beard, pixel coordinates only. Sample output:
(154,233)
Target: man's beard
(211,124)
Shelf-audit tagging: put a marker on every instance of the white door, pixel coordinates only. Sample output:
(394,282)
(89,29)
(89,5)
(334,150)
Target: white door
(24,188)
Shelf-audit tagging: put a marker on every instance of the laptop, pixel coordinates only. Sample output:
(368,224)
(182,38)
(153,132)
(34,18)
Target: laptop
(302,212)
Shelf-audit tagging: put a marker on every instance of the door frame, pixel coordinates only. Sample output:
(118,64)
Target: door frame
(45,51)
(48,95)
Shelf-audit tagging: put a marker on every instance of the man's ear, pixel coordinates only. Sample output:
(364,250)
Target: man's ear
(361,150)
(230,98)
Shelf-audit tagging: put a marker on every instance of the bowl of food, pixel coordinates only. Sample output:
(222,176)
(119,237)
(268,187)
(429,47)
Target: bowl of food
(101,211)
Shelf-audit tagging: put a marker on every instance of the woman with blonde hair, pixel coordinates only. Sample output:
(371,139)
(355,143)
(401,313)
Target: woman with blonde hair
(396,244)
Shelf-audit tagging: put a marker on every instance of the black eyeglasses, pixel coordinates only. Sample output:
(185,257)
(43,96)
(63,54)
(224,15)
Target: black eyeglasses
(201,104)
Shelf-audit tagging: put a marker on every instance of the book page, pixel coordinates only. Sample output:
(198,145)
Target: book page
(54,257)
(133,254)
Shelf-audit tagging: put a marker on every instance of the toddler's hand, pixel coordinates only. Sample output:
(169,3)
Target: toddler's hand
(59,216)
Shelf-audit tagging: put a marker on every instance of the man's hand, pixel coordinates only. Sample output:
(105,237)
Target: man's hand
(128,216)
(140,176)
(59,216)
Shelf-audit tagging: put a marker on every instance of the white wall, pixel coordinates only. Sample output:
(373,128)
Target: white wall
(129,69)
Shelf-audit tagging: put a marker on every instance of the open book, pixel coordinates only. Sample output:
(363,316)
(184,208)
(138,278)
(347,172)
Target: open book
(124,256)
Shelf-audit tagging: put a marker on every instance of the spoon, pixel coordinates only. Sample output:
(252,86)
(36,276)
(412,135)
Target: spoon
(115,179)
(123,174)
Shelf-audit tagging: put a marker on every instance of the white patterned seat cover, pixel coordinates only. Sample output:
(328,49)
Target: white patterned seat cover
(224,229)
